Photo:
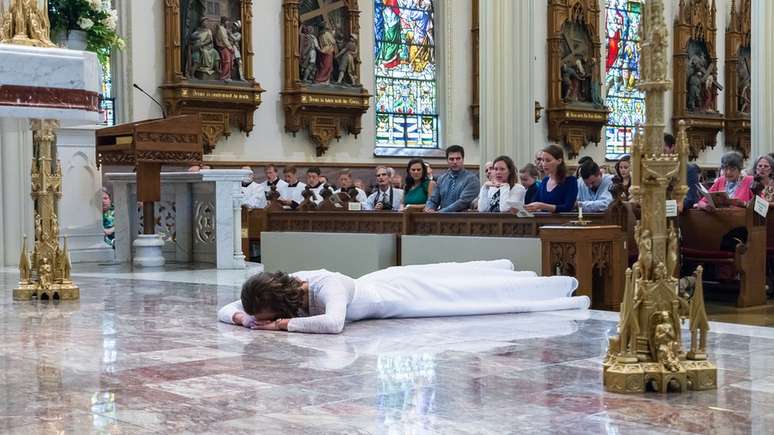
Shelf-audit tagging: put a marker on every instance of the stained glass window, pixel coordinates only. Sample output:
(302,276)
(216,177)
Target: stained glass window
(622,74)
(406,90)
(107,102)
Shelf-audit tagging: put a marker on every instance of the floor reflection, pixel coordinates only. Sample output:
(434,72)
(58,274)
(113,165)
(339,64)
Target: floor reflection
(147,356)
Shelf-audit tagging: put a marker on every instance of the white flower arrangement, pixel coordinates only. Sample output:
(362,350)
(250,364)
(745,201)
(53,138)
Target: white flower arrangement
(91,16)
(85,23)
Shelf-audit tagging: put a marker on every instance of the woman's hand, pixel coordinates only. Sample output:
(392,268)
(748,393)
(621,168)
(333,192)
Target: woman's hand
(704,206)
(276,325)
(538,206)
(244,319)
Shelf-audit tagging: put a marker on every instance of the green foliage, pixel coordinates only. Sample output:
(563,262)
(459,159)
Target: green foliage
(98,22)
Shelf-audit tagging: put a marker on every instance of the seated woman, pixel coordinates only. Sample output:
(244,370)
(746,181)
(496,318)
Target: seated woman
(418,186)
(558,191)
(764,177)
(321,301)
(502,193)
(622,174)
(731,181)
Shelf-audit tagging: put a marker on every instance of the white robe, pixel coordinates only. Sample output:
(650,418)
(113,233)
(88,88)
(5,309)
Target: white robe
(361,196)
(294,193)
(254,195)
(318,193)
(433,290)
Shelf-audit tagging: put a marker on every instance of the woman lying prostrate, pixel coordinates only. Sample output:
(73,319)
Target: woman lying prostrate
(321,301)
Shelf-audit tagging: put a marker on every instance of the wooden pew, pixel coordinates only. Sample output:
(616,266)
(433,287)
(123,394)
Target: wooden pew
(702,233)
(253,222)
(472,224)
(770,250)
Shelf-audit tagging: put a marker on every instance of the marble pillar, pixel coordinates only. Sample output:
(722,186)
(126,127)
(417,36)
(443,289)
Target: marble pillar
(81,211)
(16,211)
(507,83)
(762,110)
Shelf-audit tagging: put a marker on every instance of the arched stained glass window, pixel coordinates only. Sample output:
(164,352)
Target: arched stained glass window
(405,68)
(622,75)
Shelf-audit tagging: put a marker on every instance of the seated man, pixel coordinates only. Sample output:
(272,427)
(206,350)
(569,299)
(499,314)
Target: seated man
(385,197)
(456,188)
(314,181)
(273,179)
(292,195)
(253,194)
(594,188)
(345,183)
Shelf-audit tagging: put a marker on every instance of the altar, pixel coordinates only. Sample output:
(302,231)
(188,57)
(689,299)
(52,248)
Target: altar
(199,216)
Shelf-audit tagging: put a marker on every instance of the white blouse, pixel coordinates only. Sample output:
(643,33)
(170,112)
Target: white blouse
(509,196)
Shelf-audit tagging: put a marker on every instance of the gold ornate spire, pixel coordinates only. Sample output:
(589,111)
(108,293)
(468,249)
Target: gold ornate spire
(647,354)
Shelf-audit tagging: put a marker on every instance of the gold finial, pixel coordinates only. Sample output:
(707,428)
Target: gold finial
(24,23)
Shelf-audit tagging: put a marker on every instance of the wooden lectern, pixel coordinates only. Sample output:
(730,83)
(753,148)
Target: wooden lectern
(176,140)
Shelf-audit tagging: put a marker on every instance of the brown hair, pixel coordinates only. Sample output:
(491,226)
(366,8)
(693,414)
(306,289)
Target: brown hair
(275,291)
(531,170)
(511,168)
(557,152)
(289,169)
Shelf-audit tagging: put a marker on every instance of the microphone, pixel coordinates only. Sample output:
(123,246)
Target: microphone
(163,112)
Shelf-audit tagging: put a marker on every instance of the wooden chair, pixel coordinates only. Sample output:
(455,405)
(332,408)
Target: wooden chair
(702,234)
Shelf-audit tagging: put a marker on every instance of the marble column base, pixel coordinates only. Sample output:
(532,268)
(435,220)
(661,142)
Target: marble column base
(147,251)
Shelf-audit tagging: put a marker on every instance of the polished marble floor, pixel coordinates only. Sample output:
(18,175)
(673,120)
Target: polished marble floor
(142,353)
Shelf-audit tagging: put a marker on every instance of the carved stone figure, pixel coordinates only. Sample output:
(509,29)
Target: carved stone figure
(44,274)
(327,53)
(743,85)
(573,75)
(672,251)
(710,90)
(667,347)
(38,226)
(204,60)
(225,48)
(308,49)
(694,89)
(235,36)
(646,254)
(347,58)
(702,83)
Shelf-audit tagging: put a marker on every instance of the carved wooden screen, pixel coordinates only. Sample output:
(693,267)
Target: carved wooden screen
(405,68)
(622,75)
